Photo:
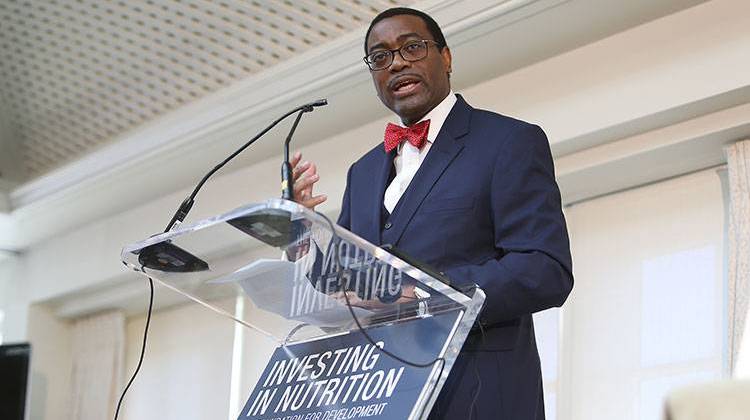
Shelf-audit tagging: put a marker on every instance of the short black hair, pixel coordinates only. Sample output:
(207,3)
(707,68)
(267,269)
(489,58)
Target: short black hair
(432,26)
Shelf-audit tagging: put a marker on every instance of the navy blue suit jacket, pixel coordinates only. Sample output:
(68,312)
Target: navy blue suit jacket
(484,208)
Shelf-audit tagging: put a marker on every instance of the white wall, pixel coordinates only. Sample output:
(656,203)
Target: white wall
(253,350)
(51,364)
(187,369)
(14,301)
(677,60)
(742,369)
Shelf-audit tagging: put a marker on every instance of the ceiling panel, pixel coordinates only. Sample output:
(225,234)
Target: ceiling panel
(74,75)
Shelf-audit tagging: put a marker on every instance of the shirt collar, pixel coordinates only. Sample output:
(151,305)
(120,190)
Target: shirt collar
(437,116)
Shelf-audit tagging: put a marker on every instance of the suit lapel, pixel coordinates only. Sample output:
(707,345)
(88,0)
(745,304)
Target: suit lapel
(445,148)
(380,177)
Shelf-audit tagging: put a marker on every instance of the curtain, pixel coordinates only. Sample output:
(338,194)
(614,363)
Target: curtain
(98,362)
(738,165)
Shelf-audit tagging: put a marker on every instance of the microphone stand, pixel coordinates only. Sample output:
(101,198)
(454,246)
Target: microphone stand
(187,204)
(287,180)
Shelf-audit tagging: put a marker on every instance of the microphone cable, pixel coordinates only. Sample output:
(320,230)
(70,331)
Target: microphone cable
(339,276)
(143,346)
(183,211)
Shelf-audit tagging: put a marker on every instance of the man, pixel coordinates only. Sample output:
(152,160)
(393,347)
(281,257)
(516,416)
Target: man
(476,199)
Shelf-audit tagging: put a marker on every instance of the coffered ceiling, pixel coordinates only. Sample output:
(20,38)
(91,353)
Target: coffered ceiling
(77,74)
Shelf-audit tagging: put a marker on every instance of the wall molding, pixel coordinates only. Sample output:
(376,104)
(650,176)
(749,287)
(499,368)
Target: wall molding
(194,137)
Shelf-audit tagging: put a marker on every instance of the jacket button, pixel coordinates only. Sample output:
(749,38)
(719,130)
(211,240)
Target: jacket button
(388,225)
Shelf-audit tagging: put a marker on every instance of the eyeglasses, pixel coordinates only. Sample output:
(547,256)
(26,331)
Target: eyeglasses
(411,51)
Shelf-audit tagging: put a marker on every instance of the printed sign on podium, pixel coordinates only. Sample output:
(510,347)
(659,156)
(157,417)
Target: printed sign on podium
(362,331)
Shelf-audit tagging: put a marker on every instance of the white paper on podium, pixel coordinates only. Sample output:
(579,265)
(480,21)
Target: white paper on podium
(282,287)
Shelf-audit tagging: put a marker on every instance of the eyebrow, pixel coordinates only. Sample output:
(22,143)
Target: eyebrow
(400,37)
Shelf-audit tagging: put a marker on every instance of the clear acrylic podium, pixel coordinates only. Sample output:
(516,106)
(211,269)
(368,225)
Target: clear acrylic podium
(334,303)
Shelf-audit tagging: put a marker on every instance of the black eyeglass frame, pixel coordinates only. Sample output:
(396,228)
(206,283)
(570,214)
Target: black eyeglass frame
(392,53)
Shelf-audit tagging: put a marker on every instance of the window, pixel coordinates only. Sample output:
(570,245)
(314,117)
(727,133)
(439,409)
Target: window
(647,311)
(547,330)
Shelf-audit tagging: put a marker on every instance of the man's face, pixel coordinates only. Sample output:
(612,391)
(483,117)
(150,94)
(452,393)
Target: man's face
(410,89)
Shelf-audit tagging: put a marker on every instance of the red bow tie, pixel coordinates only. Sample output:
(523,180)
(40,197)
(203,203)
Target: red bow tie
(416,135)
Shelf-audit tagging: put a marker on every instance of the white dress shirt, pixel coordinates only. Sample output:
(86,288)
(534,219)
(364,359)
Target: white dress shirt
(409,158)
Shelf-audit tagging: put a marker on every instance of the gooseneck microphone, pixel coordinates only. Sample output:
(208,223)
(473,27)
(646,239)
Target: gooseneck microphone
(287,180)
(186,205)
(182,212)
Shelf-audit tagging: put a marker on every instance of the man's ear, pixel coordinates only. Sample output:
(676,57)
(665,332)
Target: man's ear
(445,54)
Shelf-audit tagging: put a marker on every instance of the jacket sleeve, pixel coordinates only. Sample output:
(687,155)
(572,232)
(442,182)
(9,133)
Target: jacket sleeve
(532,268)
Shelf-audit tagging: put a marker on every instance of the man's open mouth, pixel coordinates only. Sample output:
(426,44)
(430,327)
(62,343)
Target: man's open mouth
(405,85)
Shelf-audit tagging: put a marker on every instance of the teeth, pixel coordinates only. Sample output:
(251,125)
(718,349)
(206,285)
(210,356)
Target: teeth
(404,85)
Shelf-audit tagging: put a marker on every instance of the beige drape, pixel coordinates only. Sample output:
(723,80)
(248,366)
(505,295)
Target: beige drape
(98,360)
(738,163)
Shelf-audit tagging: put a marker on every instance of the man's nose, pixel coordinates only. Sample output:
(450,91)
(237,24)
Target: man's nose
(398,62)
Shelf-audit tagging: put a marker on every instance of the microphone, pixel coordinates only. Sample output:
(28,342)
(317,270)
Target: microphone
(187,204)
(319,102)
(168,257)
(287,180)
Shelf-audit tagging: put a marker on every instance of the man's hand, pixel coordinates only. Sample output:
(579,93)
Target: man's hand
(305,176)
(407,296)
(357,302)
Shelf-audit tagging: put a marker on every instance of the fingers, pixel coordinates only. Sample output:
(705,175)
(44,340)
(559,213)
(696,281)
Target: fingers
(299,168)
(303,168)
(303,192)
(352,297)
(305,176)
(311,202)
(295,159)
(305,182)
